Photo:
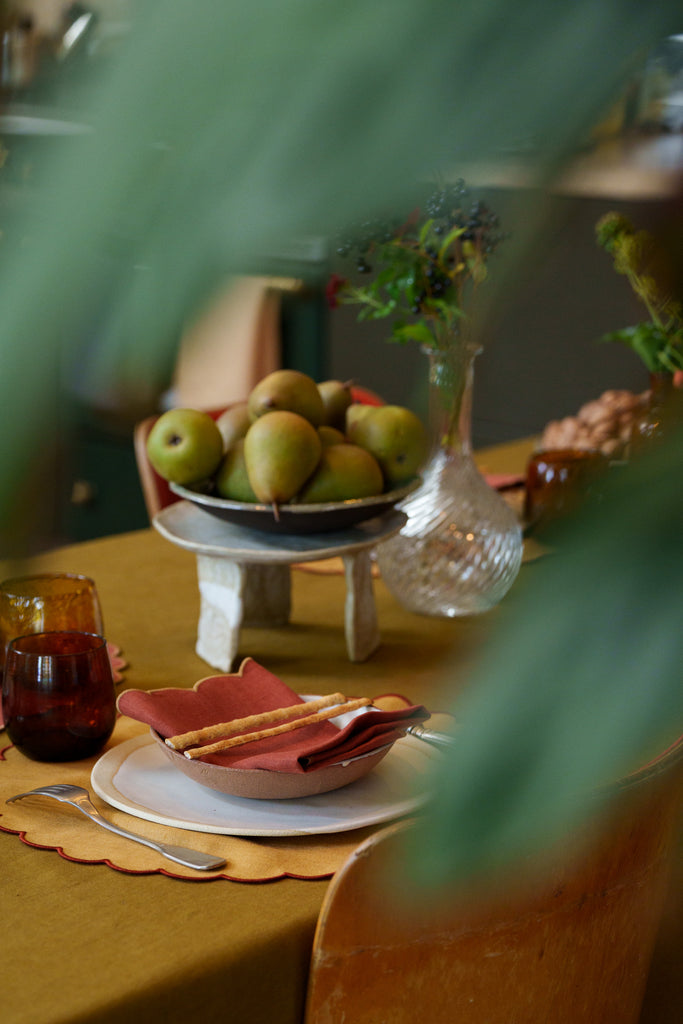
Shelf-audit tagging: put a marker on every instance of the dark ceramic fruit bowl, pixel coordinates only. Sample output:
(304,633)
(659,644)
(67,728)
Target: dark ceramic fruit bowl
(293,518)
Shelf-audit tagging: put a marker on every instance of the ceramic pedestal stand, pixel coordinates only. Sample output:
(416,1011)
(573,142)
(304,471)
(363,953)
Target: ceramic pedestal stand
(244,576)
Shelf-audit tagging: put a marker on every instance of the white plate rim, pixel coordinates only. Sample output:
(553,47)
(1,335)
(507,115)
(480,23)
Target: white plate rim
(407,749)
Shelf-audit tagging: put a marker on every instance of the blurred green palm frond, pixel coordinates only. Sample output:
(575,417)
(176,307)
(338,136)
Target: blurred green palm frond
(582,686)
(224,134)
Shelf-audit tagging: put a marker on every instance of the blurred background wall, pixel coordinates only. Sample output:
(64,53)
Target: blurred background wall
(541,359)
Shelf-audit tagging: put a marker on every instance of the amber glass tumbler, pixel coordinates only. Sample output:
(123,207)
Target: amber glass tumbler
(48,602)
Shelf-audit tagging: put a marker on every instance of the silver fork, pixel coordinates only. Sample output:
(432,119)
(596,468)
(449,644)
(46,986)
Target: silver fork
(79,797)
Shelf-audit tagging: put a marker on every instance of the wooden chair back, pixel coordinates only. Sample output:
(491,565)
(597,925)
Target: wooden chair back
(573,947)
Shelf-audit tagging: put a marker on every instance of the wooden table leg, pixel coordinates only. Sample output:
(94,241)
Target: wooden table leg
(360,612)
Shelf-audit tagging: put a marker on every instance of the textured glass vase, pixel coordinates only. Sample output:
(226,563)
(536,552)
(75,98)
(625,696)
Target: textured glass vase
(461,547)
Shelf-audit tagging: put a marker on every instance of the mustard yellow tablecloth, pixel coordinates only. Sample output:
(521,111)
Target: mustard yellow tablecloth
(83,942)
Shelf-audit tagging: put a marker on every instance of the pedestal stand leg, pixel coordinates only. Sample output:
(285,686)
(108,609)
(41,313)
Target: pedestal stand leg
(267,596)
(360,613)
(233,595)
(221,609)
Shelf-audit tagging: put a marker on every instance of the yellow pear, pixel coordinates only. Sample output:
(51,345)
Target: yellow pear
(288,390)
(336,397)
(396,437)
(344,471)
(330,435)
(233,423)
(232,480)
(281,450)
(355,412)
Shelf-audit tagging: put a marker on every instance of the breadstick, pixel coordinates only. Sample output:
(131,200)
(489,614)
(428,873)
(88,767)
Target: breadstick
(251,722)
(298,723)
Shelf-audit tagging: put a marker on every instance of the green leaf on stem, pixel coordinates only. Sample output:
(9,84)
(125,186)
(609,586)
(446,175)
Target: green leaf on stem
(418,332)
(425,232)
(448,242)
(647,340)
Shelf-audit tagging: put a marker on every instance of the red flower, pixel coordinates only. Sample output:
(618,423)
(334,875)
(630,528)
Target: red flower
(335,284)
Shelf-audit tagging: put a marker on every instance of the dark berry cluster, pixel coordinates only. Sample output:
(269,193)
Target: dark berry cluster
(433,282)
(452,206)
(426,264)
(359,240)
(442,201)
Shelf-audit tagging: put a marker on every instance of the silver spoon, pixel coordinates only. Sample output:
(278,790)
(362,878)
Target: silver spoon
(78,797)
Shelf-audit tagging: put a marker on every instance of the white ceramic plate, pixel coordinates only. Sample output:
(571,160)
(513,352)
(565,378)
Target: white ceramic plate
(136,777)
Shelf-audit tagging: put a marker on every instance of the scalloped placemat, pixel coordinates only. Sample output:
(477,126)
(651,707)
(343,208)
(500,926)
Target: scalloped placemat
(49,825)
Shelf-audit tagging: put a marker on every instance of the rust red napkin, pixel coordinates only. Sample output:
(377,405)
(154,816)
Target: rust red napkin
(501,481)
(253,690)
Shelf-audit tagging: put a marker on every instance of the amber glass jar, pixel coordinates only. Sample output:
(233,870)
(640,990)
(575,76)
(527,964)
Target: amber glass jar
(558,480)
(663,410)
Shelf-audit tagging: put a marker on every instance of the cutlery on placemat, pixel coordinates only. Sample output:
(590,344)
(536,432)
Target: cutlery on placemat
(438,739)
(78,797)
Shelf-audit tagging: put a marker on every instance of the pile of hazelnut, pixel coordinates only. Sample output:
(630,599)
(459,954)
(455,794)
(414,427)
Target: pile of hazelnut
(604,424)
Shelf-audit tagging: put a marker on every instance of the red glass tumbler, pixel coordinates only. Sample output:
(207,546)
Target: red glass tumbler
(58,696)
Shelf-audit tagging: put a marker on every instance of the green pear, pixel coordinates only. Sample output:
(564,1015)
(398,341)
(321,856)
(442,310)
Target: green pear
(185,446)
(288,390)
(396,437)
(232,479)
(234,423)
(355,412)
(281,450)
(336,398)
(330,435)
(344,471)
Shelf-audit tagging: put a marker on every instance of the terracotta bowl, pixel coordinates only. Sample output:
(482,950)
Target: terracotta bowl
(257,784)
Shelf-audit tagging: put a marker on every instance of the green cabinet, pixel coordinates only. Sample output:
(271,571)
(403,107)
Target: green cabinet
(100,490)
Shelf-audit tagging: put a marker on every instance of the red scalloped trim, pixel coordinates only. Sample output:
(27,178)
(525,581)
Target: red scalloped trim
(164,871)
